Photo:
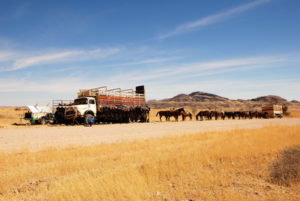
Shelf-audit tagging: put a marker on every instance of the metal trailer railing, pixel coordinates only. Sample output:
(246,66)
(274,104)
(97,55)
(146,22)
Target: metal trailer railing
(60,103)
(115,96)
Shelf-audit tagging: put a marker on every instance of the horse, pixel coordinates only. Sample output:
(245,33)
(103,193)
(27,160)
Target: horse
(230,115)
(216,114)
(164,113)
(170,113)
(186,114)
(176,113)
(206,113)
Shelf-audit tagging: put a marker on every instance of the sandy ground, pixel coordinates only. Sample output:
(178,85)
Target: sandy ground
(33,139)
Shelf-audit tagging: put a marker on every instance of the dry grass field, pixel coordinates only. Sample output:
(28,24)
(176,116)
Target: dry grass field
(10,116)
(257,164)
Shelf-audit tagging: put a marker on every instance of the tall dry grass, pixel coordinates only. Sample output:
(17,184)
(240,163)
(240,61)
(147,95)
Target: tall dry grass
(11,115)
(294,113)
(233,165)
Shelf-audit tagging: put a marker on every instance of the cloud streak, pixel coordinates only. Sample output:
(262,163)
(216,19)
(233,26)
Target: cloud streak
(43,59)
(211,19)
(4,56)
(199,69)
(20,61)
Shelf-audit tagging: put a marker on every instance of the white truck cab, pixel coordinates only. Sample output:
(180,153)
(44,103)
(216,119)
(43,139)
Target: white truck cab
(85,105)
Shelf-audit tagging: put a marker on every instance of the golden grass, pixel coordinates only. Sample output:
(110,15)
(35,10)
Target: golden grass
(232,165)
(294,113)
(10,115)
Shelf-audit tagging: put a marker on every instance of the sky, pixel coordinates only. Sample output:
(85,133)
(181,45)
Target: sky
(240,49)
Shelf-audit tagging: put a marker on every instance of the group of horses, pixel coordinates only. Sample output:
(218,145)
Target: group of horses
(174,113)
(209,115)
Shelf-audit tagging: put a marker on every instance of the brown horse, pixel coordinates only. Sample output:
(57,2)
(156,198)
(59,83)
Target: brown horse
(176,113)
(164,113)
(207,114)
(170,113)
(186,114)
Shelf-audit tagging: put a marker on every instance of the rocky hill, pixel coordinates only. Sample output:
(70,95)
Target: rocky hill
(196,97)
(270,99)
(206,100)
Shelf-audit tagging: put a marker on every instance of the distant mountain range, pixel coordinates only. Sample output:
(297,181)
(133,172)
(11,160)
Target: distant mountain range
(209,101)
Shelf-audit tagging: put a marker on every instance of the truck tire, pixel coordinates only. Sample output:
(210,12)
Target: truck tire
(43,121)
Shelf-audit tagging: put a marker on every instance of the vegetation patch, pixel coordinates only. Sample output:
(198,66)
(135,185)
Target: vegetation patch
(286,171)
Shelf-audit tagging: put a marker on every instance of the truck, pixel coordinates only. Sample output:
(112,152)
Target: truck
(272,110)
(104,106)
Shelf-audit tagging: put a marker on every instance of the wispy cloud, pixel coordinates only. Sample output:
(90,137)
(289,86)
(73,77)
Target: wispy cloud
(20,61)
(205,68)
(4,56)
(43,59)
(156,60)
(211,19)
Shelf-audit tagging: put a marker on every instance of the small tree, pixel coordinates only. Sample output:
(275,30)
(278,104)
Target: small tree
(285,110)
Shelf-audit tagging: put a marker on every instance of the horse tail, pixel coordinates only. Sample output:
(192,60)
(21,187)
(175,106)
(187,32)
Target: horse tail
(157,113)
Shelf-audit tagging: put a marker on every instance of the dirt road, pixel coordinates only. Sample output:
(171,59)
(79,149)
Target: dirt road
(14,140)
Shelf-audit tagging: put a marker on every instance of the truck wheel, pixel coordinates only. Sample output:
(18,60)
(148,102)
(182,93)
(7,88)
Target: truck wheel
(43,121)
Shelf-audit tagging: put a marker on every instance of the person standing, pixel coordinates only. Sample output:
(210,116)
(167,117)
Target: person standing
(91,121)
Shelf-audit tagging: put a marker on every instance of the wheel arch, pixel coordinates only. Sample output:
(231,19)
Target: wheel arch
(89,112)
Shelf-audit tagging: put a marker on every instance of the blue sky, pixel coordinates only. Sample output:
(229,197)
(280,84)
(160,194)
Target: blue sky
(237,49)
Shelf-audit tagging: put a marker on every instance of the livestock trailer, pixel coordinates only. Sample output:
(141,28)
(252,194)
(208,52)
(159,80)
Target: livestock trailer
(273,110)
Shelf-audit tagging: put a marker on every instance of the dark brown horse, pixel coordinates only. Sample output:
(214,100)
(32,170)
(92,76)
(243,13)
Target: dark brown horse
(170,113)
(164,113)
(185,115)
(176,113)
(206,113)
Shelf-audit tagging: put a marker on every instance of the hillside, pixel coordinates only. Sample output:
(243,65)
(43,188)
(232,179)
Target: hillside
(197,97)
(206,100)
(270,99)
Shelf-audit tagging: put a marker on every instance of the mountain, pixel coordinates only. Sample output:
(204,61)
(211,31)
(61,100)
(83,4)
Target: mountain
(270,99)
(196,96)
(181,98)
(203,96)
(210,101)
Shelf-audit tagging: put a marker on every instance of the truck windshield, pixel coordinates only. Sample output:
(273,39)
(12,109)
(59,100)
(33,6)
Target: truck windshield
(80,101)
